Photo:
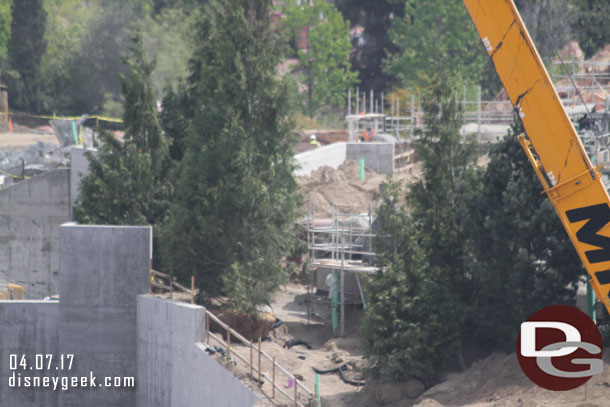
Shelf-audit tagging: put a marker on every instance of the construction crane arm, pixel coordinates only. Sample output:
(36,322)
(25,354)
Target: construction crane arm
(552,144)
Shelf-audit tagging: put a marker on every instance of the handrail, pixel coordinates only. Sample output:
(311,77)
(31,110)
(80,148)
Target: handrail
(172,283)
(231,332)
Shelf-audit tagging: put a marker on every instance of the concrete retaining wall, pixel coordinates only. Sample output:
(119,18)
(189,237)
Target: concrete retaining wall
(30,214)
(332,155)
(378,157)
(103,270)
(79,168)
(27,328)
(173,369)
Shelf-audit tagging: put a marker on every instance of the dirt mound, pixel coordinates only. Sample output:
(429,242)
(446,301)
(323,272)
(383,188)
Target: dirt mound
(341,186)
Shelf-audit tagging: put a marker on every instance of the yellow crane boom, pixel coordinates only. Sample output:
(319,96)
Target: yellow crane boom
(552,144)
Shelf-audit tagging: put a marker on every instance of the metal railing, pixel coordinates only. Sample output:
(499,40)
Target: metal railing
(165,282)
(300,391)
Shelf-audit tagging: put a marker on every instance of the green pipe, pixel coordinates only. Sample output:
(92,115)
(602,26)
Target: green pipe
(74,132)
(362,168)
(335,305)
(318,398)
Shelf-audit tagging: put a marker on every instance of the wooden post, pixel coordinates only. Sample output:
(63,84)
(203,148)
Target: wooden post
(259,362)
(171,288)
(228,342)
(296,395)
(251,360)
(150,279)
(273,380)
(192,289)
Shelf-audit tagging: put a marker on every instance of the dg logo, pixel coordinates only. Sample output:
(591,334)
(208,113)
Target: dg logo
(560,348)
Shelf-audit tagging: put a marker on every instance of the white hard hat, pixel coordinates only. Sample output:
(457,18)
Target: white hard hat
(312,137)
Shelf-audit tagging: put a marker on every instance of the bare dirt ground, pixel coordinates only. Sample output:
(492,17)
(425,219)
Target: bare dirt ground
(327,351)
(495,381)
(23,138)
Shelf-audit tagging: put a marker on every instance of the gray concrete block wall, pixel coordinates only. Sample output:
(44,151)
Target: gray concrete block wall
(30,214)
(79,168)
(27,328)
(103,270)
(173,368)
(332,155)
(378,157)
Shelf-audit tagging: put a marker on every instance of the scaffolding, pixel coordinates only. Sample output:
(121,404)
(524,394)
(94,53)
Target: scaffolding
(341,244)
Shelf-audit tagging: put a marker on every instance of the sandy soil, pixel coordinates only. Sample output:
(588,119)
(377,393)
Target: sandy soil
(343,187)
(327,351)
(495,381)
(25,139)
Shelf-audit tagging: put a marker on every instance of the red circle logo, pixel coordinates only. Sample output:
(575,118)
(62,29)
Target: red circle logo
(559,348)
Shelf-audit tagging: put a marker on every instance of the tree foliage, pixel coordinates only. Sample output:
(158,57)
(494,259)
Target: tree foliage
(326,61)
(522,257)
(435,34)
(411,326)
(374,46)
(128,181)
(589,25)
(168,37)
(426,254)
(235,203)
(5,27)
(26,47)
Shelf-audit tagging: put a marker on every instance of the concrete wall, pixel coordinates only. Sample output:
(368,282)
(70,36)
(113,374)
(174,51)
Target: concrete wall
(378,157)
(103,270)
(30,214)
(79,168)
(173,369)
(27,328)
(332,155)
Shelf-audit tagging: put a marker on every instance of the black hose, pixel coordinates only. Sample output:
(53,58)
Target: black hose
(340,370)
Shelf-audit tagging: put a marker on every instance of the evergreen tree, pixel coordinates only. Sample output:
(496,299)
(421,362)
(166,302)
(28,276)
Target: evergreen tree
(128,182)
(26,47)
(523,259)
(410,327)
(419,304)
(231,222)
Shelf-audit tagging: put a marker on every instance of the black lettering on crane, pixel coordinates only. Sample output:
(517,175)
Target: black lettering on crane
(598,216)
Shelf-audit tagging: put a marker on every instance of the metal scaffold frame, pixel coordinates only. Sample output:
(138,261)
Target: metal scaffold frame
(341,244)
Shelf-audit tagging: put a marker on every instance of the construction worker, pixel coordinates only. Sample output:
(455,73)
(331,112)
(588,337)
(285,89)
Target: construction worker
(314,140)
(367,135)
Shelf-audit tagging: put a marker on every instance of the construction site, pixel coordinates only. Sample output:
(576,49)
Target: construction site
(83,301)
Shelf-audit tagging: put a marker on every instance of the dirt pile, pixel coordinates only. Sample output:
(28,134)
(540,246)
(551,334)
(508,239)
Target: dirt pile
(497,381)
(341,186)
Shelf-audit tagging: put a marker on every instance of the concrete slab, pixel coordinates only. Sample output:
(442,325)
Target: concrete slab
(103,270)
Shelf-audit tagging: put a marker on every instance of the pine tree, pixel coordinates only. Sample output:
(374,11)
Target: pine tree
(231,222)
(26,47)
(522,257)
(419,303)
(128,182)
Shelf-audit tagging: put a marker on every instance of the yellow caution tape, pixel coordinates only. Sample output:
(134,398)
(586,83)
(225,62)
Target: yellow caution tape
(102,118)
